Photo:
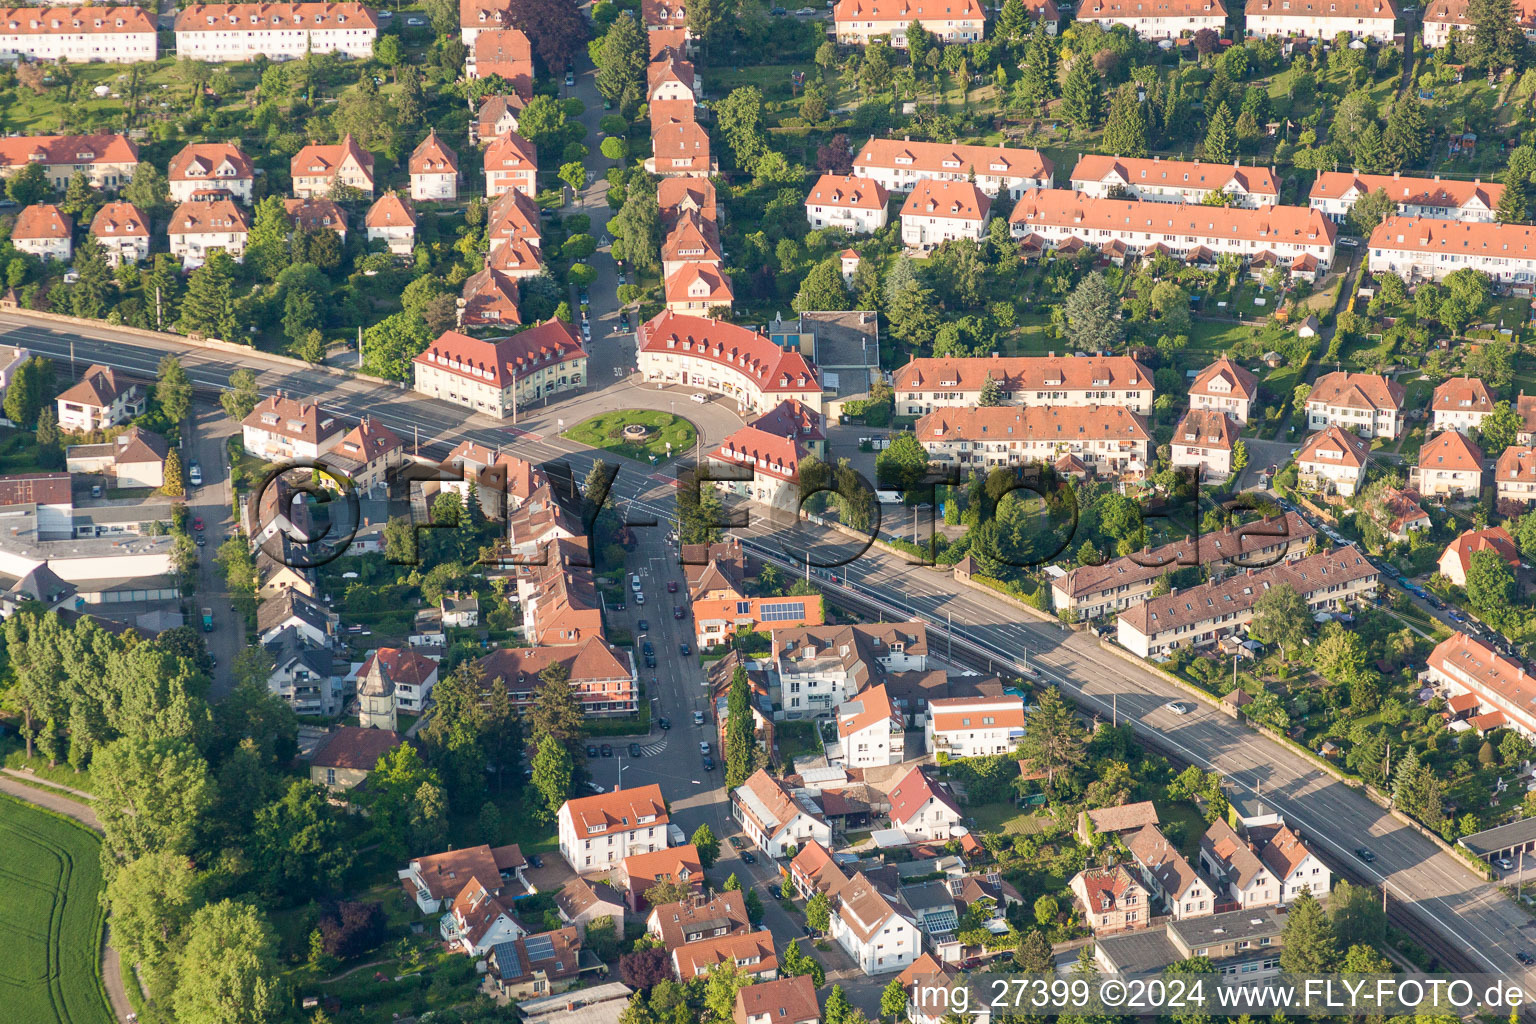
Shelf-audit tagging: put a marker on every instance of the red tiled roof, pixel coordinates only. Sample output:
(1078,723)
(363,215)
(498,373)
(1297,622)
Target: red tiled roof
(848,191)
(500,360)
(1002,422)
(1370,10)
(623,809)
(1353,450)
(1450,450)
(354,748)
(255,17)
(120,220)
(209,216)
(433,157)
(1182,173)
(1241,383)
(391,211)
(769,454)
(913,791)
(1270,225)
(750,353)
(20,150)
(1408,191)
(1462,394)
(948,157)
(956,200)
(1356,391)
(1024,373)
(1206,428)
(74,20)
(401,665)
(717,287)
(43,220)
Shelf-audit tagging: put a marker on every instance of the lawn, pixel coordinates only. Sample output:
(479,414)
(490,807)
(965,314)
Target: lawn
(668,434)
(1004,818)
(52,919)
(796,739)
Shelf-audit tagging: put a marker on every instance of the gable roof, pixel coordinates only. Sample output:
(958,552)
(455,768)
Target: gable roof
(847,191)
(754,949)
(768,453)
(578,896)
(1195,174)
(942,157)
(315,214)
(43,220)
(1167,865)
(315,160)
(505,52)
(391,210)
(1495,539)
(748,352)
(1357,391)
(446,874)
(770,803)
(198,161)
(1105,888)
(205,214)
(354,748)
(1224,846)
(783,1001)
(675,921)
(1124,817)
(1208,428)
(1267,225)
(252,17)
(120,220)
(680,287)
(955,200)
(1032,423)
(637,807)
(1462,394)
(501,360)
(913,792)
(1025,373)
(1352,450)
(91,150)
(1240,383)
(674,195)
(293,418)
(99,387)
(1409,191)
(1112,9)
(872,707)
(1370,10)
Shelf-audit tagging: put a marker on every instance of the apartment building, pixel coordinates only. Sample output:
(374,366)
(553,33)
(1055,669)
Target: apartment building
(925,385)
(279,31)
(942,211)
(1497,692)
(1204,441)
(312,215)
(1202,615)
(201,166)
(724,359)
(785,1001)
(690,239)
(874,928)
(207,223)
(45,231)
(679,144)
(821,667)
(857,205)
(489,298)
(1157,180)
(505,53)
(1449,466)
(774,465)
(597,832)
(317,170)
(1241,876)
(403,674)
(1107,439)
(477,16)
(1422,248)
(899,164)
(511,162)
(1335,192)
(1157,19)
(1226,387)
(1515,475)
(1442,17)
(871,732)
(392,220)
(856,22)
(751,955)
(721,606)
(366,454)
(78,35)
(776,816)
(664,15)
(496,375)
(514,215)
(1094,590)
(1460,403)
(434,170)
(497,115)
(1287,233)
(102,398)
(1333,461)
(602,676)
(282,428)
(1367,404)
(1112,899)
(698,288)
(107,160)
(1322,19)
(974,726)
(1169,876)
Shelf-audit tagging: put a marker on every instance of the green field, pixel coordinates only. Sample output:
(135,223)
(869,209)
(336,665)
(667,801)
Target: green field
(50,920)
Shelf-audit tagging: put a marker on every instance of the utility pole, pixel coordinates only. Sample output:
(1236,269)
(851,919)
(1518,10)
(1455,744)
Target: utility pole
(72,358)
(949,632)
(416,432)
(359,346)
(159,319)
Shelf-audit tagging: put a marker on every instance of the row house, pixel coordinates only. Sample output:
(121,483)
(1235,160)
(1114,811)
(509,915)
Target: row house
(678,197)
(722,358)
(1368,404)
(662,43)
(1202,615)
(1107,438)
(1157,180)
(856,22)
(1322,19)
(1422,248)
(923,807)
(776,817)
(1515,475)
(1460,403)
(392,220)
(1495,691)
(751,955)
(856,205)
(1399,515)
(679,144)
(925,385)
(366,455)
(1052,217)
(513,215)
(201,166)
(45,231)
(1167,875)
(1203,441)
(506,54)
(1336,192)
(100,399)
(762,467)
(1225,387)
(974,726)
(1090,591)
(871,732)
(1157,19)
(107,160)
(434,170)
(602,676)
(814,870)
(208,222)
(941,211)
(496,375)
(691,238)
(1333,461)
(282,428)
(1112,900)
(511,163)
(78,35)
(318,170)
(596,833)
(1442,17)
(820,667)
(560,602)
(898,165)
(1450,466)
(664,16)
(277,31)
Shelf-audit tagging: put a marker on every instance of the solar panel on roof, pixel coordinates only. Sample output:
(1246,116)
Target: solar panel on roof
(507,961)
(539,947)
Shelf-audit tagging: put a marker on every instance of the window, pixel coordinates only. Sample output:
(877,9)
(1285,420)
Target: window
(330,776)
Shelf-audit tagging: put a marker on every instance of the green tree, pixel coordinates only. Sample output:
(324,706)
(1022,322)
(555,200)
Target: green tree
(1514,205)
(1280,616)
(738,730)
(1406,139)
(1221,137)
(740,119)
(1125,132)
(552,772)
(173,389)
(391,344)
(636,228)
(228,968)
(837,1007)
(708,847)
(991,392)
(1093,314)
(557,709)
(267,246)
(822,288)
(909,303)
(1368,211)
(241,396)
(28,185)
(297,844)
(173,484)
(818,913)
(1034,953)
(31,389)
(1047,910)
(1053,740)
(1499,427)
(90,294)
(1307,945)
(151,900)
(622,66)
(1490,585)
(209,306)
(152,795)
(1082,95)
(148,189)
(1494,41)
(893,998)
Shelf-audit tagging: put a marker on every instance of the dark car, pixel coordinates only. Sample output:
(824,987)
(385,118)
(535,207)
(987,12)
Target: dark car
(634,750)
(618,606)
(584,301)
(200,540)
(774,891)
(709,764)
(684,650)
(591,750)
(535,861)
(624,321)
(643,625)
(778,12)
(650,661)
(677,611)
(647,648)
(671,586)
(1525,958)
(607,750)
(664,723)
(748,856)
(1364,853)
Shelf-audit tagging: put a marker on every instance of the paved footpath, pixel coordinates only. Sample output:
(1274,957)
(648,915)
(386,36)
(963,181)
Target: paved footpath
(59,803)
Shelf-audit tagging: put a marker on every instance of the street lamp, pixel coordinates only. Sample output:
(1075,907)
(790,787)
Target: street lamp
(622,769)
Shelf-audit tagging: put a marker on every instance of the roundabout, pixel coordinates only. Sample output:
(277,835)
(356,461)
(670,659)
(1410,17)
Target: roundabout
(645,435)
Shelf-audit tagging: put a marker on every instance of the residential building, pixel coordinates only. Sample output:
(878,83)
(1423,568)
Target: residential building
(751,954)
(1156,19)
(392,220)
(1450,466)
(1367,403)
(435,880)
(724,359)
(672,79)
(1398,515)
(1170,181)
(1120,820)
(680,196)
(1515,475)
(410,676)
(122,231)
(1460,403)
(856,22)
(1241,877)
(319,170)
(1362,19)
(108,160)
(78,35)
(602,676)
(49,494)
(513,216)
(898,165)
(45,231)
(792,419)
(1295,867)
(477,16)
(820,667)
(1333,460)
(478,922)
(975,726)
(496,117)
(1169,877)
(559,599)
(698,288)
(926,384)
(677,864)
(698,918)
(1200,616)
(506,53)
(102,398)
(293,609)
(1204,440)
(1225,387)
(873,928)
(304,676)
(1112,899)
(815,871)
(679,144)
(581,903)
(923,808)
(282,428)
(720,615)
(857,205)
(1422,248)
(1051,218)
(518,257)
(871,732)
(776,817)
(784,1001)
(663,15)
(346,755)
(940,211)
(536,965)
(511,162)
(1442,17)
(1335,192)
(207,223)
(282,31)
(690,239)
(1108,439)
(1456,560)
(497,375)
(1501,692)
(367,455)
(314,215)
(598,832)
(201,166)
(768,464)
(434,170)
(1242,945)
(134,458)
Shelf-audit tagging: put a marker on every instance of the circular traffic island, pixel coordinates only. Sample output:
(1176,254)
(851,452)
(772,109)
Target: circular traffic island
(640,434)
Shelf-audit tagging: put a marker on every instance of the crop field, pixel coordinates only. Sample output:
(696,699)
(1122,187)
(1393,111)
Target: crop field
(50,919)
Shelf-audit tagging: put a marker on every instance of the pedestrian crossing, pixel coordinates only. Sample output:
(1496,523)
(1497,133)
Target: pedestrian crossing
(652,749)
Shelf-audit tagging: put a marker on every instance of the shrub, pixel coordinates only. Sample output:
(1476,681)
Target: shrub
(351,929)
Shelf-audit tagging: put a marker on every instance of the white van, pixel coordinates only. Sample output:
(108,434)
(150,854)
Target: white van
(634,582)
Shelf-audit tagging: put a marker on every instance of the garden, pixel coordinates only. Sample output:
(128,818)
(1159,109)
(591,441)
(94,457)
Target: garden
(640,434)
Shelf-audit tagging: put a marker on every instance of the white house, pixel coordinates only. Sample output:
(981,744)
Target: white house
(1173,181)
(939,211)
(856,22)
(101,399)
(407,674)
(205,223)
(122,230)
(926,384)
(108,160)
(1107,438)
(857,205)
(899,164)
(1323,19)
(1204,440)
(242,32)
(434,170)
(1367,403)
(201,166)
(282,428)
(820,667)
(697,288)
(1460,403)
(134,458)
(437,878)
(392,220)
(1442,17)
(724,359)
(1241,876)
(1225,387)
(1296,867)
(78,35)
(1515,474)
(1426,249)
(1335,192)
(318,170)
(1156,19)
(478,922)
(1496,691)
(598,832)
(45,231)
(974,726)
(1333,460)
(497,375)
(775,817)
(871,732)
(923,808)
(874,929)
(1449,465)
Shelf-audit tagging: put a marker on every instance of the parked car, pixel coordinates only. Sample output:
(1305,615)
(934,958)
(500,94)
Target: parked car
(535,861)
(709,764)
(197,522)
(634,583)
(647,648)
(642,625)
(1525,958)
(607,750)
(639,598)
(195,473)
(1505,863)
(703,746)
(698,718)
(591,750)
(570,78)
(634,750)
(650,661)
(748,857)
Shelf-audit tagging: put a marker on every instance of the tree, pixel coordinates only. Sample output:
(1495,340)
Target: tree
(822,288)
(31,389)
(241,396)
(148,189)
(573,174)
(173,389)
(1082,95)
(557,709)
(1406,139)
(556,28)
(229,968)
(1494,41)
(720,987)
(391,344)
(704,841)
(29,185)
(644,968)
(1280,616)
(1047,910)
(297,844)
(818,913)
(1221,137)
(738,730)
(837,1007)
(552,772)
(1034,953)
(209,306)
(1125,133)
(753,904)
(902,466)
(991,392)
(909,305)
(92,289)
(1499,427)
(1307,945)
(795,963)
(151,796)
(1053,741)
(1515,202)
(893,998)
(174,485)
(1037,84)
(1093,314)
(1370,210)
(740,119)
(636,228)
(267,246)
(614,148)
(1490,584)
(1355,914)
(151,900)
